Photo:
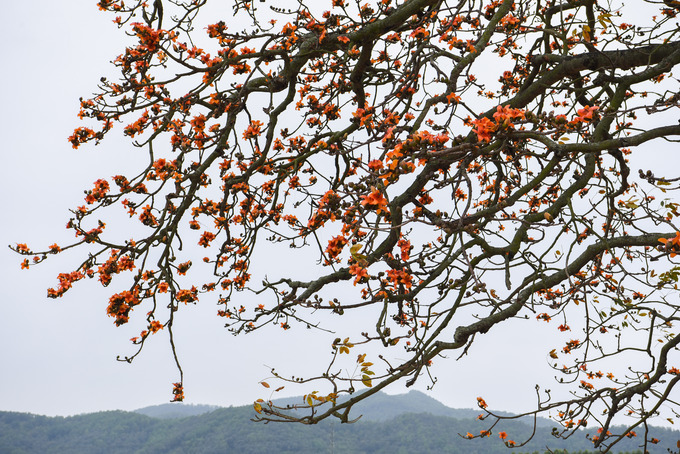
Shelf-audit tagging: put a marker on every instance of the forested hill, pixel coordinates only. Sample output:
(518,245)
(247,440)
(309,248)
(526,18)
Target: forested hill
(391,424)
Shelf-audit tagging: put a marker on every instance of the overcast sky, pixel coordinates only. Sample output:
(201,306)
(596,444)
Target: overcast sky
(59,356)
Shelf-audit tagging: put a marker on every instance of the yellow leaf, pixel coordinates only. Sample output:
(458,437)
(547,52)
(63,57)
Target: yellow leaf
(603,18)
(548,217)
(354,250)
(257,407)
(631,203)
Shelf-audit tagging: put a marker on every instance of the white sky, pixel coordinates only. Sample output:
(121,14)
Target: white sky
(58,356)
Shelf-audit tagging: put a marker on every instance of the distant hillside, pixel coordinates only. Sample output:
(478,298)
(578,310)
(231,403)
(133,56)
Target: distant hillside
(382,407)
(175,410)
(410,423)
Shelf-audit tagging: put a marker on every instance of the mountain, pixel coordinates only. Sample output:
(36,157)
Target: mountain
(380,407)
(175,410)
(406,423)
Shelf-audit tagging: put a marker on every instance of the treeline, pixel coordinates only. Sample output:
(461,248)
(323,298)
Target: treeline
(229,430)
(564,451)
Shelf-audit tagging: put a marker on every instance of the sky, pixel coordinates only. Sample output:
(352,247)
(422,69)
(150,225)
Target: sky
(59,356)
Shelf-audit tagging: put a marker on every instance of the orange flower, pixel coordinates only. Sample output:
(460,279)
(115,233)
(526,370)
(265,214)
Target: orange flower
(375,165)
(671,243)
(484,129)
(155,326)
(585,114)
(399,278)
(81,135)
(206,239)
(405,248)
(452,98)
(253,130)
(335,246)
(502,435)
(178,391)
(504,115)
(375,200)
(543,316)
(187,296)
(22,248)
(358,271)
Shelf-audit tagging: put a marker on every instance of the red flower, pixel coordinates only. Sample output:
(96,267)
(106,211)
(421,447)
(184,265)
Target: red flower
(375,165)
(253,130)
(155,326)
(206,239)
(178,391)
(358,271)
(375,200)
(22,248)
(405,248)
(484,129)
(585,114)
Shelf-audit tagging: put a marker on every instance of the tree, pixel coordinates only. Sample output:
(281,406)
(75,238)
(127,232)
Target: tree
(453,165)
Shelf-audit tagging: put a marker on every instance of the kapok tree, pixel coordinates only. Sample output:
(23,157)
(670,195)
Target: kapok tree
(448,166)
